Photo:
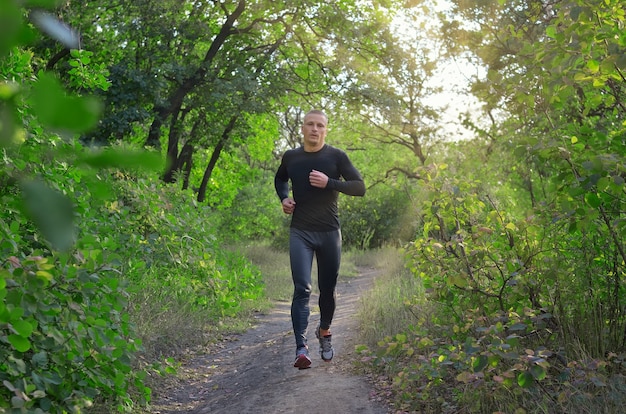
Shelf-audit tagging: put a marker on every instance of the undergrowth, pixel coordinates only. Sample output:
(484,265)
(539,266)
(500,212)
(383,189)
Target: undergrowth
(427,363)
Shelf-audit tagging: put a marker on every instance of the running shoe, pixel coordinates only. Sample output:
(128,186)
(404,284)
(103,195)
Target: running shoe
(326,347)
(303,361)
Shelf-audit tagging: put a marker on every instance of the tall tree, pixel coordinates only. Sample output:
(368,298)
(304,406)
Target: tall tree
(392,81)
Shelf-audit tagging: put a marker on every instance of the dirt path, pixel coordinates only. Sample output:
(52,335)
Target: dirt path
(253,372)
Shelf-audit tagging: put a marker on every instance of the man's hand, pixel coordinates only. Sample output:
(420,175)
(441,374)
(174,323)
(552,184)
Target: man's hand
(288,205)
(318,179)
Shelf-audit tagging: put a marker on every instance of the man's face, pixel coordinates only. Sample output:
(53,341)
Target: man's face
(314,130)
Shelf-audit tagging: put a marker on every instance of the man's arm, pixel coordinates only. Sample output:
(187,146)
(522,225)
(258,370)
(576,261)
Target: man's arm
(353,184)
(282,188)
(353,187)
(281,184)
(281,181)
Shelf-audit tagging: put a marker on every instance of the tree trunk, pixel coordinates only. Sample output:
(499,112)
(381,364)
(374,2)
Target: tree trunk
(171,165)
(154,135)
(186,158)
(214,157)
(179,162)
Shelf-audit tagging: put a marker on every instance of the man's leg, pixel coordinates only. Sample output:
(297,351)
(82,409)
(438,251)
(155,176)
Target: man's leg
(301,259)
(328,262)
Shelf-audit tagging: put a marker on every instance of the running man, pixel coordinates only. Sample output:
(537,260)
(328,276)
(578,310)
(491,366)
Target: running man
(318,173)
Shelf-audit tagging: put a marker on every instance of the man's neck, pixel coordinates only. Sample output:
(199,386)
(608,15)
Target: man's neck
(316,148)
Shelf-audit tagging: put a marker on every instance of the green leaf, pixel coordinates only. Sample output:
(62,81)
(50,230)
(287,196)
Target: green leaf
(11,24)
(57,110)
(593,200)
(40,359)
(16,313)
(17,402)
(18,364)
(518,327)
(42,4)
(538,372)
(575,12)
(580,77)
(124,159)
(593,66)
(525,379)
(20,343)
(479,363)
(53,378)
(602,183)
(52,212)
(44,275)
(494,360)
(22,328)
(513,340)
(458,280)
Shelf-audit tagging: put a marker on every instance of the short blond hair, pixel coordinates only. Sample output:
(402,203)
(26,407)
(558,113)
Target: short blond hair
(317,112)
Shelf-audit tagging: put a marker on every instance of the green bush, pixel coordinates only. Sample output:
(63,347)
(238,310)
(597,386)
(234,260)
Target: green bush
(380,218)
(65,338)
(173,246)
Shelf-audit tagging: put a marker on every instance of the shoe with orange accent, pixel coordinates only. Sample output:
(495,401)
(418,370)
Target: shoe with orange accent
(303,361)
(326,347)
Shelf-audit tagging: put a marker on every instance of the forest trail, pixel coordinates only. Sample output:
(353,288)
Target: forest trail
(253,372)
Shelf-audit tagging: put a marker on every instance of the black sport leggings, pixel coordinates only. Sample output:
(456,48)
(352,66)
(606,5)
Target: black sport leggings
(327,249)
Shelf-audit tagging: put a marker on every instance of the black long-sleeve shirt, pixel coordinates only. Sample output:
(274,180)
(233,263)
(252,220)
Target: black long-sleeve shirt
(316,208)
